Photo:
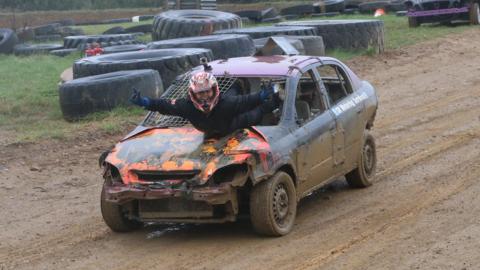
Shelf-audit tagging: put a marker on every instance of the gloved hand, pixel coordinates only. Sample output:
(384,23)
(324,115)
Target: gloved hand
(267,91)
(137,99)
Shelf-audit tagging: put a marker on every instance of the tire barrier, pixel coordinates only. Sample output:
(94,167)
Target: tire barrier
(168,62)
(189,23)
(266,31)
(123,48)
(78,41)
(222,46)
(104,92)
(347,34)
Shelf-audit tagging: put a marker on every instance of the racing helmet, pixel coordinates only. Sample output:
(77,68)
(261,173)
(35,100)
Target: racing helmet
(201,82)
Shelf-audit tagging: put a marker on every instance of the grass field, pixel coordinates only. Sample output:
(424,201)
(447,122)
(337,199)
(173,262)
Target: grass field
(29,85)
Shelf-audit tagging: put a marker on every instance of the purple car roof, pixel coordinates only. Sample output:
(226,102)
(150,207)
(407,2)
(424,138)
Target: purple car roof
(277,65)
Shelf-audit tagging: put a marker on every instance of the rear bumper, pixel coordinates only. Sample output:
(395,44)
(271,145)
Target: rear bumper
(437,12)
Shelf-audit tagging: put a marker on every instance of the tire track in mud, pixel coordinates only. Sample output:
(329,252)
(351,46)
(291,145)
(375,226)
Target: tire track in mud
(415,210)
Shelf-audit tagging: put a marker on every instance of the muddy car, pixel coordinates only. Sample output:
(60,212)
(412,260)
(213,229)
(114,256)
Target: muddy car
(166,171)
(445,11)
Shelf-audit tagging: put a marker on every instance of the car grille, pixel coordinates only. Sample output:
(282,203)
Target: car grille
(155,176)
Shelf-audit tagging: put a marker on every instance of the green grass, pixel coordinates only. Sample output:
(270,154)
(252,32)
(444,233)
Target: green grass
(29,102)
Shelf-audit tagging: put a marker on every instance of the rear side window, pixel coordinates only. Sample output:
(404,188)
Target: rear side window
(336,82)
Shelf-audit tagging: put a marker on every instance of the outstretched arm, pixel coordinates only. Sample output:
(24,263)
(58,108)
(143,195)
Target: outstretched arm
(163,106)
(245,103)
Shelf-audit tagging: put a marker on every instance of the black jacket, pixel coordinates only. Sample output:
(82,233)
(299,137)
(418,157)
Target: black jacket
(230,113)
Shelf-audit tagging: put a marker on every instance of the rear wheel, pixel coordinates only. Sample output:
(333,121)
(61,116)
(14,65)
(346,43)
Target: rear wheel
(273,205)
(474,14)
(367,163)
(114,216)
(413,22)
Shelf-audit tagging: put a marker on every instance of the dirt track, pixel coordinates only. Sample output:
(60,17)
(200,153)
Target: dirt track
(423,211)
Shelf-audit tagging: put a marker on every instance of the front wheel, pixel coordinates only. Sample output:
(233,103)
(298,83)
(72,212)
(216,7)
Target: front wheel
(367,163)
(273,205)
(114,216)
(474,14)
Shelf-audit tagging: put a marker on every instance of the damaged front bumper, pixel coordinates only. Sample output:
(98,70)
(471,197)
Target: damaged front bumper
(196,205)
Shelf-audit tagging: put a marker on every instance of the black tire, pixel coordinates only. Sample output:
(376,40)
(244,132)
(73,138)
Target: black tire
(189,23)
(8,40)
(363,175)
(114,216)
(370,7)
(328,6)
(64,52)
(168,62)
(350,11)
(413,22)
(273,205)
(267,31)
(80,41)
(114,30)
(253,15)
(104,92)
(395,6)
(64,22)
(347,34)
(29,49)
(142,28)
(300,10)
(71,31)
(401,13)
(124,48)
(44,38)
(291,17)
(48,29)
(222,46)
(273,20)
(474,14)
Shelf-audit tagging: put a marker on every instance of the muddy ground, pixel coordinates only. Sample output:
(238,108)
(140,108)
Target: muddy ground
(423,211)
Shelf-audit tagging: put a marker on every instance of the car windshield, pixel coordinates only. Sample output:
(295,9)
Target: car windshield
(229,85)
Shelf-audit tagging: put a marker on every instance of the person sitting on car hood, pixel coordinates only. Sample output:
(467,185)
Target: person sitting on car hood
(210,112)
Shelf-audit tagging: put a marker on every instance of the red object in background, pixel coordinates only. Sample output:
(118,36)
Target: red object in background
(94,51)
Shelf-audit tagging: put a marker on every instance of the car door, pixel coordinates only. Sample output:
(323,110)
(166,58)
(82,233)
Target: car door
(315,126)
(347,108)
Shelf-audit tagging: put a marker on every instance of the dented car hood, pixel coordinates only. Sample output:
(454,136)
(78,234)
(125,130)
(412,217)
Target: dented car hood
(184,149)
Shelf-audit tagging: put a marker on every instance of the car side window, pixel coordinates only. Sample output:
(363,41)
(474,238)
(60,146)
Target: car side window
(336,82)
(308,102)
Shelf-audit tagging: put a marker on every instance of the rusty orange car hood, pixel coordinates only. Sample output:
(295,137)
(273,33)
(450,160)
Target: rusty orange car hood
(183,149)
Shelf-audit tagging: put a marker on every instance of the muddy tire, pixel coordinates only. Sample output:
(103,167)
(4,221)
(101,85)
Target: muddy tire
(222,46)
(8,40)
(474,14)
(367,163)
(347,34)
(104,92)
(413,22)
(192,23)
(114,217)
(267,31)
(168,62)
(273,205)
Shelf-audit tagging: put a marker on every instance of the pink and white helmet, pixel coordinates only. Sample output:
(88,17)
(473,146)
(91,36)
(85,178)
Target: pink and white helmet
(200,82)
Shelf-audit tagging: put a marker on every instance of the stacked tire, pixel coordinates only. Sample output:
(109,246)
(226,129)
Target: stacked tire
(104,92)
(168,62)
(8,40)
(266,31)
(190,23)
(222,46)
(81,41)
(347,34)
